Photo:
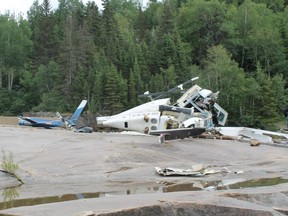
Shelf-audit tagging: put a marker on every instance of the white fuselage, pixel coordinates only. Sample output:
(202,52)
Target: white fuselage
(143,118)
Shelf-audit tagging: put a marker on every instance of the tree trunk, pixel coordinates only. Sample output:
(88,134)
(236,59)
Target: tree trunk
(10,78)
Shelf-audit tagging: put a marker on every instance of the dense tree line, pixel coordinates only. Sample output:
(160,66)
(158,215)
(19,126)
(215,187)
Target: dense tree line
(53,59)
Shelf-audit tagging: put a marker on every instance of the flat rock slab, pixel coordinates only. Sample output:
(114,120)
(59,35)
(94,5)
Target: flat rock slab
(119,169)
(7,181)
(176,204)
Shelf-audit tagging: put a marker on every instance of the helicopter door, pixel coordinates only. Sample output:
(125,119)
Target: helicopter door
(221,114)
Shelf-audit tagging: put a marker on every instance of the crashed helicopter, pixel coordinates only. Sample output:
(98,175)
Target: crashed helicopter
(68,123)
(187,117)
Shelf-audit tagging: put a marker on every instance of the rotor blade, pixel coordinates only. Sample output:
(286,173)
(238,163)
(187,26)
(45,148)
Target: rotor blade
(173,90)
(178,87)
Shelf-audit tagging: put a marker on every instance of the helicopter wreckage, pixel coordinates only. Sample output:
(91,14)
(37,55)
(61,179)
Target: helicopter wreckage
(194,113)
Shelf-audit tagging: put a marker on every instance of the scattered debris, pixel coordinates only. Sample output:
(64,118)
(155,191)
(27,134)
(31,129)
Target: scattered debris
(84,129)
(254,142)
(162,139)
(239,172)
(215,135)
(196,171)
(210,188)
(254,136)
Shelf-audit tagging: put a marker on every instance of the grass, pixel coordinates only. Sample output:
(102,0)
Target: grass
(9,166)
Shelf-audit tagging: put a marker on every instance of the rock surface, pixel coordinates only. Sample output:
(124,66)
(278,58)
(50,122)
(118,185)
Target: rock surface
(66,173)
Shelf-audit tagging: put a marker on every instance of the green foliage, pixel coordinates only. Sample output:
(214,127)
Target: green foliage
(8,164)
(132,94)
(114,88)
(15,49)
(56,58)
(240,94)
(200,25)
(222,74)
(267,104)
(50,103)
(6,101)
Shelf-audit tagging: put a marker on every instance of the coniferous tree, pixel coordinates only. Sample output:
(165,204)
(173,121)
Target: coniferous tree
(44,37)
(132,94)
(97,97)
(137,77)
(140,28)
(111,43)
(278,85)
(85,62)
(67,58)
(266,104)
(95,23)
(45,49)
(113,91)
(126,49)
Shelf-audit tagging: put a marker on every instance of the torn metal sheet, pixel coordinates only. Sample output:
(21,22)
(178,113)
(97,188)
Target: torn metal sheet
(177,172)
(186,172)
(263,136)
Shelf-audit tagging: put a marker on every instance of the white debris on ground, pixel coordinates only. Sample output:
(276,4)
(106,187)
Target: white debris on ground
(263,136)
(196,171)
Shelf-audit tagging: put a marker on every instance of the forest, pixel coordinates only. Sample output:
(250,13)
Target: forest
(51,59)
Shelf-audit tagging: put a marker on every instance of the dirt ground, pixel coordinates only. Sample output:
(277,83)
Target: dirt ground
(67,173)
(5,120)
